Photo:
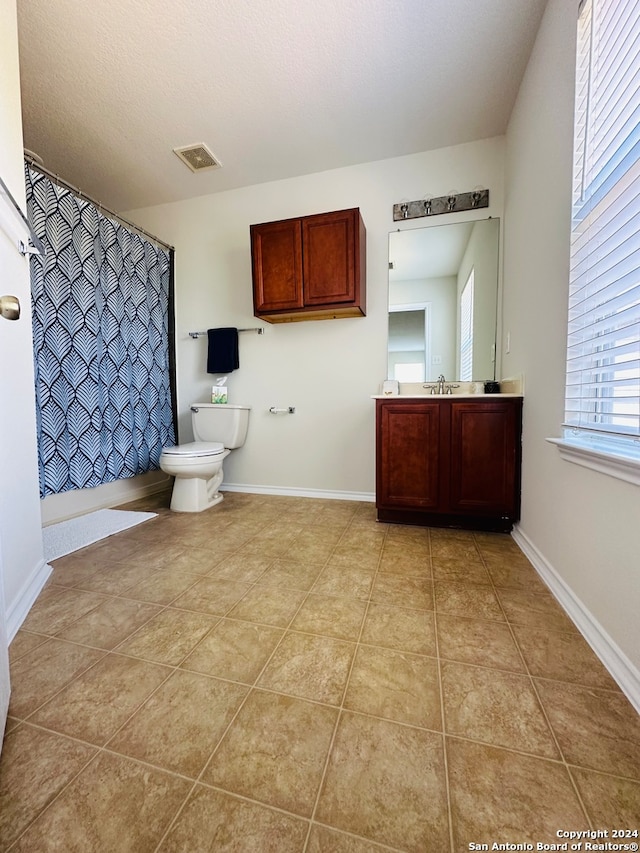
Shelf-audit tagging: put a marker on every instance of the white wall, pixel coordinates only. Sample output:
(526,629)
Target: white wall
(582,526)
(326,369)
(20,537)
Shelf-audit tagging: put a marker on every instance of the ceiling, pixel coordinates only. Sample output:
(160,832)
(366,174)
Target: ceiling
(275,88)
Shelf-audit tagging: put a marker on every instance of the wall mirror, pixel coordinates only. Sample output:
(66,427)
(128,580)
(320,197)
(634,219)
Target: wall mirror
(443,298)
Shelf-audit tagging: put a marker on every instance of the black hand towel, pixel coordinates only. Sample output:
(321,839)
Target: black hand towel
(222,355)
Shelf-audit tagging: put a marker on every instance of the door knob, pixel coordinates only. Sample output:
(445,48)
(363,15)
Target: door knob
(10,307)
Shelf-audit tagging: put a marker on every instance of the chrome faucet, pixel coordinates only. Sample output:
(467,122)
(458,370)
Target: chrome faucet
(441,386)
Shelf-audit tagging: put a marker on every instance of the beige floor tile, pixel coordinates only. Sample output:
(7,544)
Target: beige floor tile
(270,605)
(408,534)
(537,610)
(397,560)
(242,568)
(348,581)
(363,536)
(495,543)
(222,541)
(283,586)
(35,766)
(499,796)
(565,657)
(73,570)
(400,628)
(609,801)
(478,641)
(212,595)
(324,840)
(291,574)
(109,623)
(498,708)
(386,782)
(269,542)
(234,650)
(23,643)
(401,591)
(117,578)
(331,616)
(162,587)
(168,637)
(215,821)
(454,548)
(336,514)
(196,560)
(353,557)
(275,752)
(57,607)
(39,674)
(179,726)
(453,569)
(97,703)
(114,804)
(515,575)
(463,599)
(596,729)
(159,552)
(395,685)
(310,667)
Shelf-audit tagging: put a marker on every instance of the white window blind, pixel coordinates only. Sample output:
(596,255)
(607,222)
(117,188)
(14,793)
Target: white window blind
(466,330)
(603,349)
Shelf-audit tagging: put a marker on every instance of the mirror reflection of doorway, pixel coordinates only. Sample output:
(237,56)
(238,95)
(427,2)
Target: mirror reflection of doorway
(409,342)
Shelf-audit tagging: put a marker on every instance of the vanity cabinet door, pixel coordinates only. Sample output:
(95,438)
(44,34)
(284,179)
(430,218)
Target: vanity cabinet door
(408,455)
(485,451)
(310,268)
(276,256)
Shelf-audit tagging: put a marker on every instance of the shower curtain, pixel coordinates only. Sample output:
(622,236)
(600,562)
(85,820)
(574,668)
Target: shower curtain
(101,303)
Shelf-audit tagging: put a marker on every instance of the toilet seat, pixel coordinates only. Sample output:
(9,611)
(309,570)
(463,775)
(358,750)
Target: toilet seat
(195,450)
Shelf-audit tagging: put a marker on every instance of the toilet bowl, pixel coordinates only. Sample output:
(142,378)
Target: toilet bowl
(197,465)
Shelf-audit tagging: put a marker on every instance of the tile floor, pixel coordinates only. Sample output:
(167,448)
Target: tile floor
(283,674)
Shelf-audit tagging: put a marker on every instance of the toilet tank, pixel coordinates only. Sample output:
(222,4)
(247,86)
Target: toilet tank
(220,422)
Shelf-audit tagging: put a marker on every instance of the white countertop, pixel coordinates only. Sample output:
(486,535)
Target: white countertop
(429,396)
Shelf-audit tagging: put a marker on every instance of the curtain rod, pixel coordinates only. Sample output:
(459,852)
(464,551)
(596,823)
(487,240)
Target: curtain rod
(58,180)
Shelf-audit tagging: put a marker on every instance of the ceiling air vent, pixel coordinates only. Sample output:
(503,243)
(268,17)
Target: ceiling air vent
(197,157)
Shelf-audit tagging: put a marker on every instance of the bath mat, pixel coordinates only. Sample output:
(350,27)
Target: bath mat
(67,536)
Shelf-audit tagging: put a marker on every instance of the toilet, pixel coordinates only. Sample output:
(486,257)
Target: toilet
(197,466)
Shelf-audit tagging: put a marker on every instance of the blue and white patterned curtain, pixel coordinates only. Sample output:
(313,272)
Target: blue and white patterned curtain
(100,302)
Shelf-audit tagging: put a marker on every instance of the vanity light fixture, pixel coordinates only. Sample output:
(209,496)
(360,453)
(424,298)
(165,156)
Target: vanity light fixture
(451,203)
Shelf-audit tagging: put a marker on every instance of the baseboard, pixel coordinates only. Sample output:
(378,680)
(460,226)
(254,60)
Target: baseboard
(622,670)
(67,505)
(368,497)
(17,612)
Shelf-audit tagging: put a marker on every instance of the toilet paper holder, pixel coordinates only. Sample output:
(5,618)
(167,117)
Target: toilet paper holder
(289,410)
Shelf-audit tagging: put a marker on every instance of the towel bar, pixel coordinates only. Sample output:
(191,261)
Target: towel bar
(194,335)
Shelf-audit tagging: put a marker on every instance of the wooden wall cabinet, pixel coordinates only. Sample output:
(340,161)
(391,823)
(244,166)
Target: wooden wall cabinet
(309,268)
(449,463)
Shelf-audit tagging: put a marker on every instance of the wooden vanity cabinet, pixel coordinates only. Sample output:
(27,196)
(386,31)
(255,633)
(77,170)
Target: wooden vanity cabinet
(449,463)
(309,268)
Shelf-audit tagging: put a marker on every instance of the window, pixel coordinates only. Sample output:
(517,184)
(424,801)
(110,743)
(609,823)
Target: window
(602,411)
(466,330)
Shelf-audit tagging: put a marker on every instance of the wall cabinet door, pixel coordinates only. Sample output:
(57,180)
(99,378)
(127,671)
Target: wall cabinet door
(276,251)
(309,268)
(449,463)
